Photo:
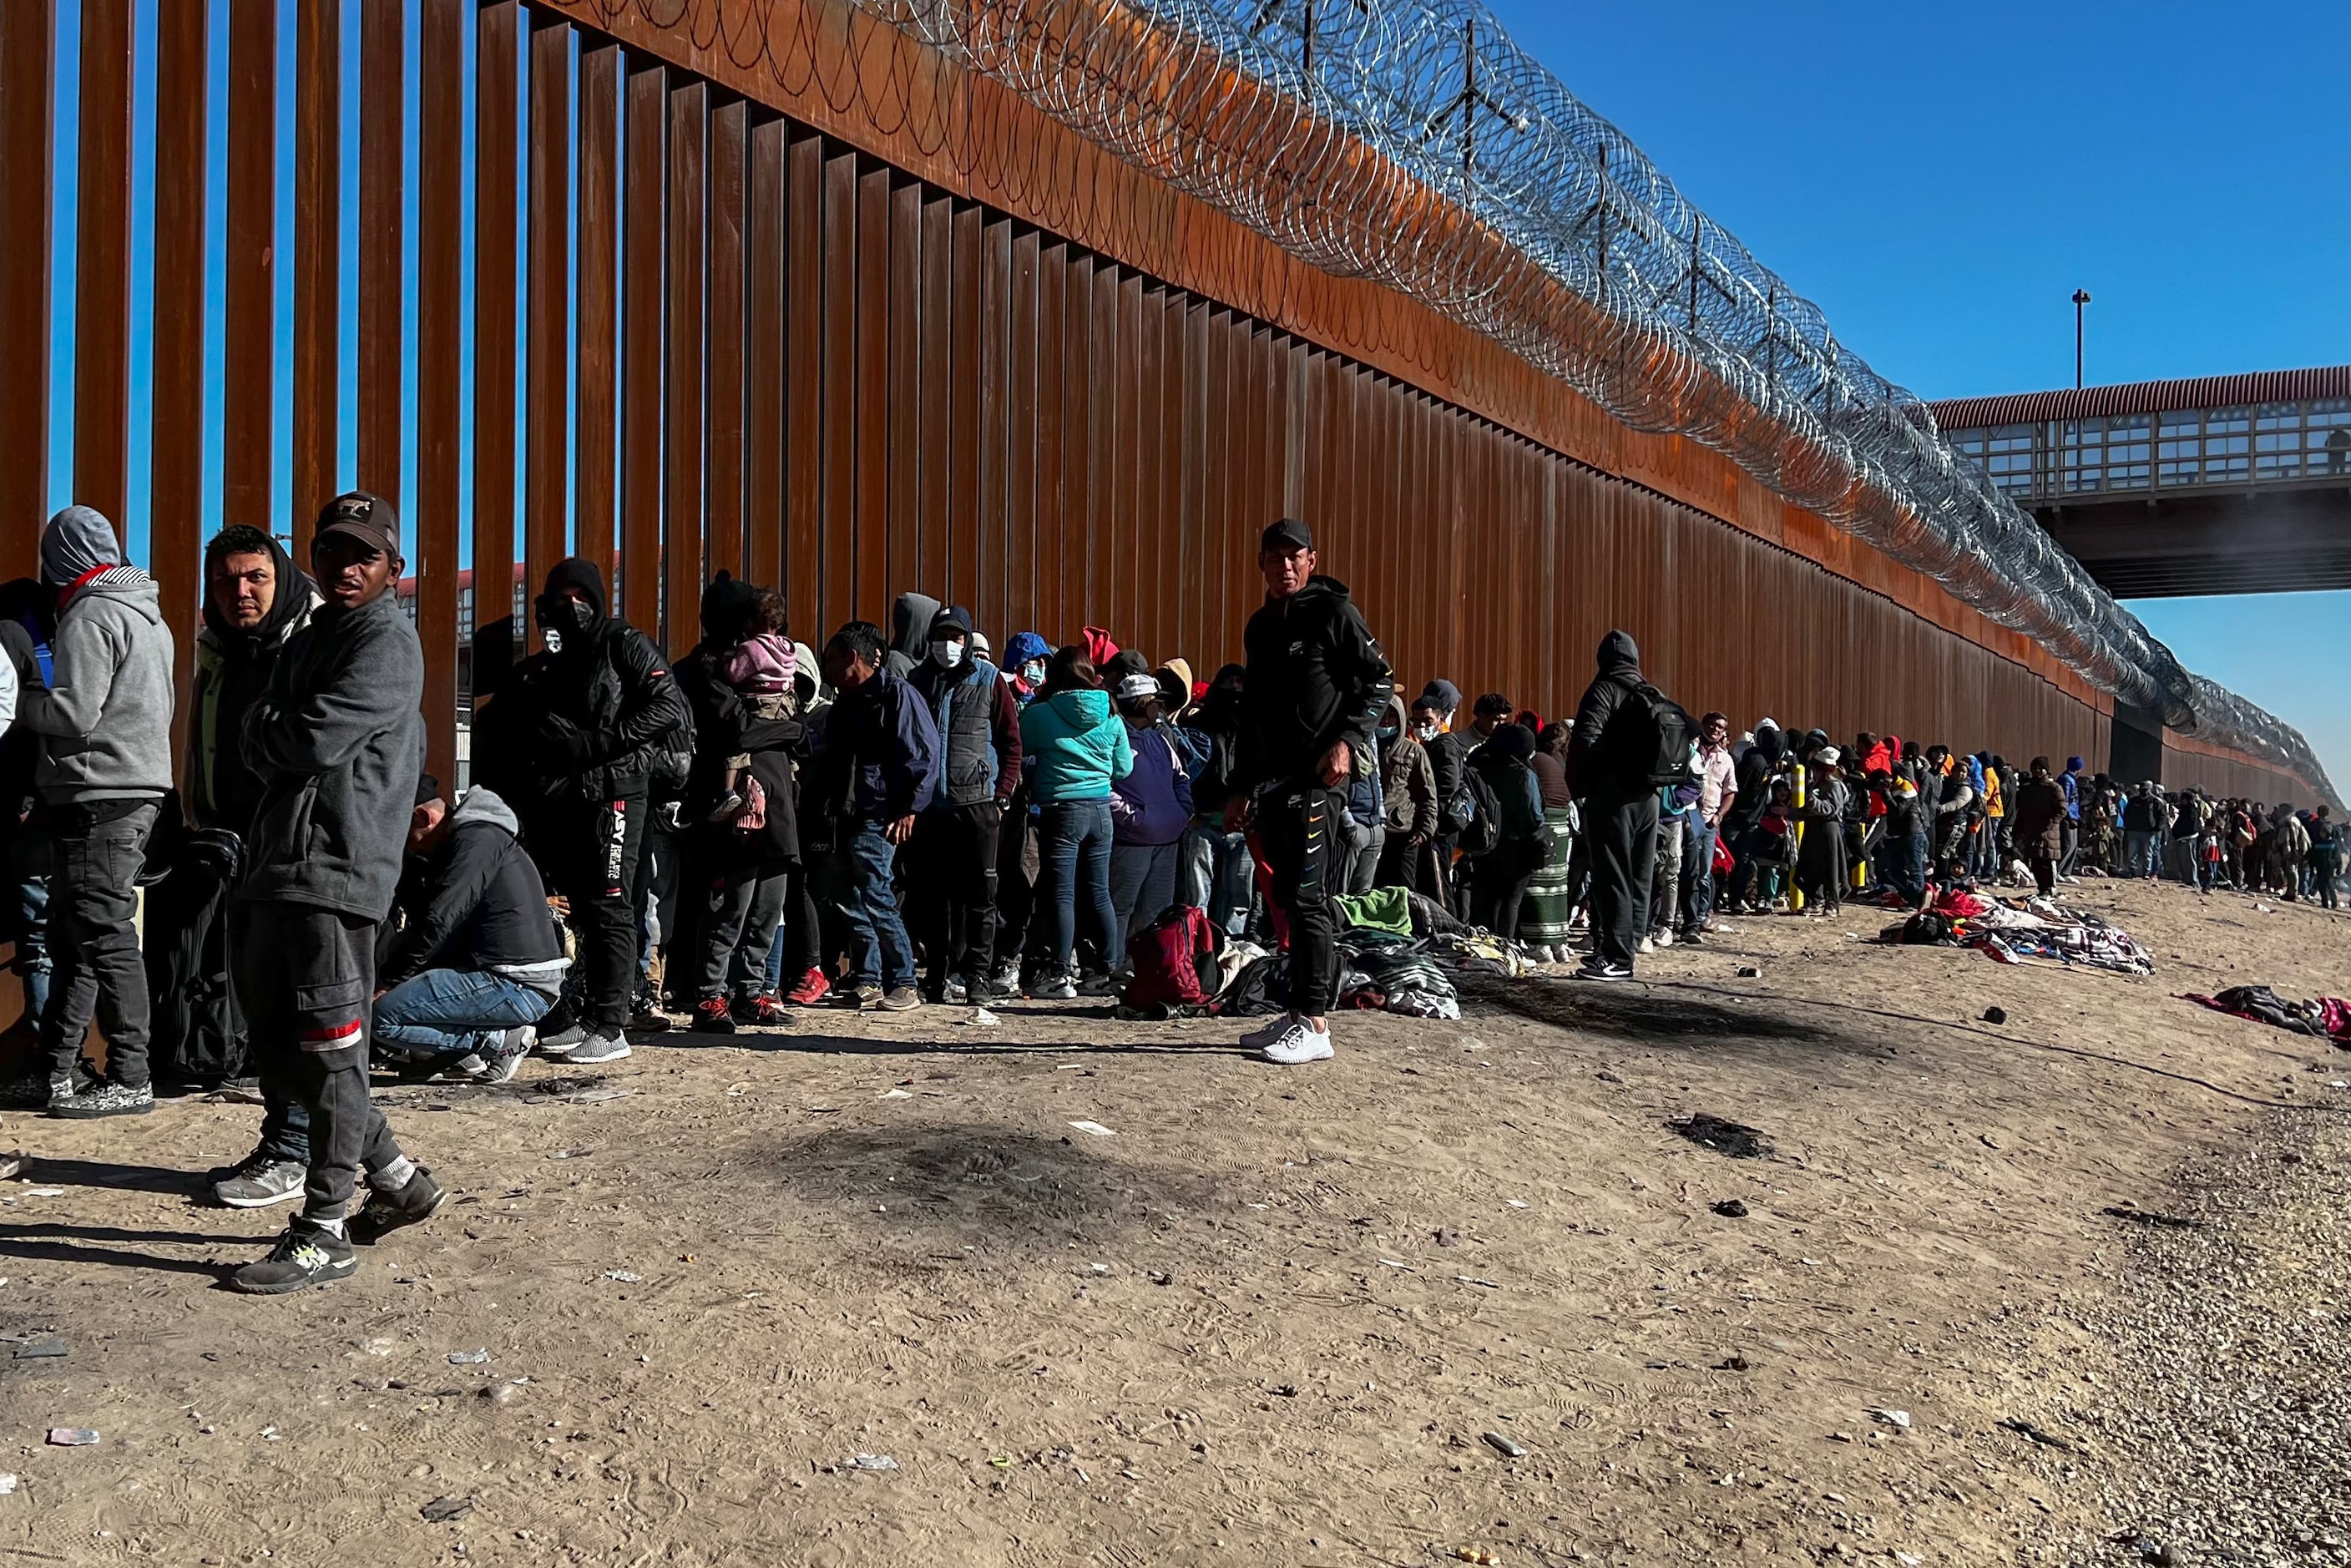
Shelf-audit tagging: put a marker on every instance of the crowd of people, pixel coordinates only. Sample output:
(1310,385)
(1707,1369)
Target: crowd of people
(903,818)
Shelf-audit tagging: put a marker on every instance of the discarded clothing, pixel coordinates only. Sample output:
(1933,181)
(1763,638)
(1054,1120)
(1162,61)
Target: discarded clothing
(2328,1017)
(1381,909)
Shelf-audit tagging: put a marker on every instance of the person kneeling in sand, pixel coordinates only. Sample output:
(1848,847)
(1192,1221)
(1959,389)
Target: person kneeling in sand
(477,960)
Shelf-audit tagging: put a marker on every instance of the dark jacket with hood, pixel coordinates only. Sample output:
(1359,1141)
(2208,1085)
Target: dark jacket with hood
(910,632)
(221,786)
(978,721)
(880,759)
(476,902)
(1316,676)
(105,716)
(1601,761)
(1214,725)
(597,720)
(338,743)
(725,726)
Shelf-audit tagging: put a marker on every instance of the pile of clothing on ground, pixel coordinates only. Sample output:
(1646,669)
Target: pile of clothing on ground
(2328,1018)
(1399,952)
(2016,932)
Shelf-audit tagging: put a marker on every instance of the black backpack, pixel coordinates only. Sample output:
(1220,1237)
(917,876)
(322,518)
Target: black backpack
(1649,737)
(1483,828)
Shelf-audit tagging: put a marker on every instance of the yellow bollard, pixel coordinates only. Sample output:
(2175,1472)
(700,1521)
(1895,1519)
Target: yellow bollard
(1795,895)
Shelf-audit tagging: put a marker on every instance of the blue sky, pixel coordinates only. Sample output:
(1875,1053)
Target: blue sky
(1939,180)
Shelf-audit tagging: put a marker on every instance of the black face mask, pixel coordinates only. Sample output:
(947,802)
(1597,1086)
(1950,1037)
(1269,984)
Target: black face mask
(563,615)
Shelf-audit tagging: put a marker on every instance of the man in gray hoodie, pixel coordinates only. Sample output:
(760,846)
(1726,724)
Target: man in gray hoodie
(340,745)
(105,723)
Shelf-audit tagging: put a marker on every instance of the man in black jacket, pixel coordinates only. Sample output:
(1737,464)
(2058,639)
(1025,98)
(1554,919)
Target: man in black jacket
(578,733)
(1608,763)
(476,960)
(340,744)
(1317,683)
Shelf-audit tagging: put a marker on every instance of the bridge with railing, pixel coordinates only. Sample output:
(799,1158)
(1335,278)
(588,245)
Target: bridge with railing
(2223,484)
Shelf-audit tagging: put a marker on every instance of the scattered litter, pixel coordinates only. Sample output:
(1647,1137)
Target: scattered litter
(469,1358)
(500,1393)
(876,1463)
(8,1482)
(1735,1139)
(1607,1077)
(269,1433)
(736,1091)
(1987,1140)
(1473,1554)
(2150,1216)
(446,1509)
(1447,1237)
(1097,1267)
(1505,1447)
(72,1436)
(1750,972)
(981,1019)
(1995,1014)
(571,1153)
(2046,1440)
(2261,908)
(1518,1203)
(1908,1559)
(902,1094)
(1731,1208)
(1157,1278)
(1096,1128)
(1473,1279)
(1392,1263)
(1001,1462)
(1734,1361)
(1898,1418)
(41,1347)
(45,1192)
(624,1276)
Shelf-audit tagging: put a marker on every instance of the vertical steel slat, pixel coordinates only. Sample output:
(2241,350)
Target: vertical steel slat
(963,403)
(803,400)
(430,534)
(934,450)
(383,304)
(726,335)
(497,110)
(980,580)
(682,429)
(837,403)
(644,301)
(1012,600)
(101,451)
(317,261)
(904,567)
(763,507)
(175,437)
(596,309)
(28,45)
(1051,557)
(870,437)
(248,395)
(546,369)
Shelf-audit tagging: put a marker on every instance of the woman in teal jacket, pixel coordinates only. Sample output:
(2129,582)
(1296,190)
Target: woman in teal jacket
(1080,748)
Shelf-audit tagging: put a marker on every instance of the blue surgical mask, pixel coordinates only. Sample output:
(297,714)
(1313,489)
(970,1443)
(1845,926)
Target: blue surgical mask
(1033,672)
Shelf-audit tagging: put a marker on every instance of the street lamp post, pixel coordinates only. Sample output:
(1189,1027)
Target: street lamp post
(2081,297)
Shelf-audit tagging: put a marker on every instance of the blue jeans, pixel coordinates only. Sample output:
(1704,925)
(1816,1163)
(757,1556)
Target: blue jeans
(454,1013)
(1218,875)
(29,860)
(1907,873)
(879,952)
(1698,872)
(2140,849)
(1073,851)
(1141,886)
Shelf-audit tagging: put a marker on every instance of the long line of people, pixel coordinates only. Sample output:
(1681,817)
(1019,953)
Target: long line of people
(894,820)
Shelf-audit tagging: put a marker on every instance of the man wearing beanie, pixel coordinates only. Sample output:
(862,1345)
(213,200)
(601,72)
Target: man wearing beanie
(338,743)
(582,734)
(105,723)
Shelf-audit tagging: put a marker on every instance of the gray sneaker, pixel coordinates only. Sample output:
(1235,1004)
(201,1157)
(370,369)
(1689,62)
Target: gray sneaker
(105,1100)
(901,999)
(599,1048)
(563,1042)
(260,1182)
(507,1058)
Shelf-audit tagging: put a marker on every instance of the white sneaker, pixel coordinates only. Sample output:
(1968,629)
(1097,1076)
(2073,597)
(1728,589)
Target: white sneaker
(1648,946)
(1297,1044)
(1665,939)
(1272,1030)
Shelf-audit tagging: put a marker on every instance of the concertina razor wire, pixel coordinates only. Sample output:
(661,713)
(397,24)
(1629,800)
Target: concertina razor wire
(1413,142)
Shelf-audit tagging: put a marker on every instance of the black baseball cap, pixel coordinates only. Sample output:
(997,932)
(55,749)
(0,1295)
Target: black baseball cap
(1286,534)
(366,518)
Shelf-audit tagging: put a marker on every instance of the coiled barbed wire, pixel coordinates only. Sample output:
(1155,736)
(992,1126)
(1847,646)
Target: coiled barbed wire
(1414,142)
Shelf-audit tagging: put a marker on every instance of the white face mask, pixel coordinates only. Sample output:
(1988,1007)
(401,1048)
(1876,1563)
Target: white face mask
(1424,733)
(949,653)
(1033,672)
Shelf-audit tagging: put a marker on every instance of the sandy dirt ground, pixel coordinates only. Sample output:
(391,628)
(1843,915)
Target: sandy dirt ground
(1268,1317)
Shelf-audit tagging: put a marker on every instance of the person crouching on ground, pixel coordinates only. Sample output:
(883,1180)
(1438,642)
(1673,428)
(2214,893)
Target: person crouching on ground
(340,744)
(477,960)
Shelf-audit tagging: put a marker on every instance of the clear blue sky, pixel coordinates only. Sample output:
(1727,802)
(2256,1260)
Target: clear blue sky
(1940,179)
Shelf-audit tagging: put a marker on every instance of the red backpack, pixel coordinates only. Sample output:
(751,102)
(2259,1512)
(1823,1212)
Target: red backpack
(1173,960)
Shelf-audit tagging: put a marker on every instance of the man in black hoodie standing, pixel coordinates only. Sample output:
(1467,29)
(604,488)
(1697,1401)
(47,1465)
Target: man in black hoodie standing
(340,744)
(581,732)
(1609,760)
(1316,686)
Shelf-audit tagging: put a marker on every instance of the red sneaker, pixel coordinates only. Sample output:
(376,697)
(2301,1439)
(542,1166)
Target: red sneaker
(712,1016)
(814,988)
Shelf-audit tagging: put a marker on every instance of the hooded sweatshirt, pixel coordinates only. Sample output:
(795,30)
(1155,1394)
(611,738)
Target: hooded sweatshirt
(1081,746)
(910,632)
(232,666)
(1153,803)
(1316,676)
(1599,763)
(476,902)
(106,714)
(1024,648)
